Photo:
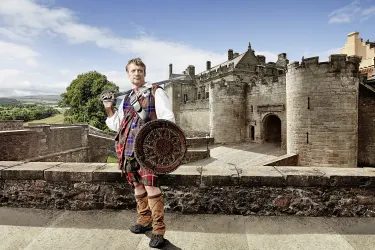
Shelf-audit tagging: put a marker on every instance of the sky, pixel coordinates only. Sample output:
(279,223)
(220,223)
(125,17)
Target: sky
(45,44)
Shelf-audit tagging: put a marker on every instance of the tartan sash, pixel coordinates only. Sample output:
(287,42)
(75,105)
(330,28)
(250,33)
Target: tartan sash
(131,124)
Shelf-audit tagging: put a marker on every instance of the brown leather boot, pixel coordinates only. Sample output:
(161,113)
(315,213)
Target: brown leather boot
(144,219)
(158,226)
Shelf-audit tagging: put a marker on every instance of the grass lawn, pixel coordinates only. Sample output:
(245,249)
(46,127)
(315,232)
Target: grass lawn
(56,119)
(112,159)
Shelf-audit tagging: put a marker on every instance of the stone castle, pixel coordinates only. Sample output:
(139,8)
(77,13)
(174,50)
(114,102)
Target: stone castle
(321,111)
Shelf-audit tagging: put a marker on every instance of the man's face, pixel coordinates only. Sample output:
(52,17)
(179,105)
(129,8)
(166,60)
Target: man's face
(136,75)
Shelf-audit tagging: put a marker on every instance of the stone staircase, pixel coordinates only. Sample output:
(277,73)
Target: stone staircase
(245,154)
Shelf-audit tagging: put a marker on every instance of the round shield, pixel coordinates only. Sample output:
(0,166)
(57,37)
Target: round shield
(160,146)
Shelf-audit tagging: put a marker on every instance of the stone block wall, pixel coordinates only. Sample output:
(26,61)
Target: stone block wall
(45,143)
(11,125)
(266,97)
(73,155)
(100,148)
(263,190)
(366,129)
(227,111)
(199,142)
(322,111)
(19,145)
(194,116)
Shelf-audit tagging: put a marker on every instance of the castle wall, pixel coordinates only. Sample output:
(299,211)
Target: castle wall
(100,148)
(11,125)
(227,111)
(322,111)
(366,130)
(18,145)
(194,116)
(39,140)
(265,97)
(176,93)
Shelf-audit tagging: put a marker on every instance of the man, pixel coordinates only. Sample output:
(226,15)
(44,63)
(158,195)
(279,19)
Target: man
(127,122)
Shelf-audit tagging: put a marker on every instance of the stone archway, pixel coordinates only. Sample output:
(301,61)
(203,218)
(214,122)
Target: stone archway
(272,129)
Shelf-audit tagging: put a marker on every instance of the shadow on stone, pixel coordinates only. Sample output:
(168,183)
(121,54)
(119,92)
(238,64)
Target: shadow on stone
(167,246)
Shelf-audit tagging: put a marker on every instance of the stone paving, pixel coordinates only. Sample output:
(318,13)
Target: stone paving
(108,229)
(241,155)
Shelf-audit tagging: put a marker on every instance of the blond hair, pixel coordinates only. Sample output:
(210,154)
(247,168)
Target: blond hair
(138,62)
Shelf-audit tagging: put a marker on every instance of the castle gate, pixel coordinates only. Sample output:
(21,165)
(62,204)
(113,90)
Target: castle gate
(272,129)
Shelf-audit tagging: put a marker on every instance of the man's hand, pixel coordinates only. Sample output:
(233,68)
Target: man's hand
(109,109)
(108,99)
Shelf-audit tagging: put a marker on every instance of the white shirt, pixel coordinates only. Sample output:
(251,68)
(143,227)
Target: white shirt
(163,110)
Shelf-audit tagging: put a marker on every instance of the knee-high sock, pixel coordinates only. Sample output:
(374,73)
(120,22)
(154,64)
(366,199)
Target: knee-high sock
(143,210)
(156,204)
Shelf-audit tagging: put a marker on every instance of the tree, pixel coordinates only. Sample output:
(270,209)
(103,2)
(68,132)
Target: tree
(82,97)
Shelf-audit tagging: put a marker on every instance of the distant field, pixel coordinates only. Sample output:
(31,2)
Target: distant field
(56,119)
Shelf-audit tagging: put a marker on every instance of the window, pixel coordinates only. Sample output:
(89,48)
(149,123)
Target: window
(185,98)
(252,133)
(308,102)
(307,137)
(207,94)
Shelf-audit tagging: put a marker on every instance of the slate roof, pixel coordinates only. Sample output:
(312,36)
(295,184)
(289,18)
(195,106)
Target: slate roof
(226,63)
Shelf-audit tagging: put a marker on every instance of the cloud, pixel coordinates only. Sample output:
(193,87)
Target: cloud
(345,14)
(11,52)
(14,82)
(30,20)
(351,12)
(367,13)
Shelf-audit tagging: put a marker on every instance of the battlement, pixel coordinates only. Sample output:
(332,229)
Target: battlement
(227,84)
(215,72)
(336,63)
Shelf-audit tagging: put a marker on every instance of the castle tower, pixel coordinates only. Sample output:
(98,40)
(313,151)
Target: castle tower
(322,111)
(227,105)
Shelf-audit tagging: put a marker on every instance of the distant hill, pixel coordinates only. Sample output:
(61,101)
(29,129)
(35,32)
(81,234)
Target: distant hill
(8,101)
(39,99)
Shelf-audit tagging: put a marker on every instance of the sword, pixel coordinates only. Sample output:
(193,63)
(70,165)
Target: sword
(111,95)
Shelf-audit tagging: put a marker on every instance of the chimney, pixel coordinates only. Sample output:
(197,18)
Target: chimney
(170,70)
(208,65)
(261,59)
(230,54)
(191,70)
(282,56)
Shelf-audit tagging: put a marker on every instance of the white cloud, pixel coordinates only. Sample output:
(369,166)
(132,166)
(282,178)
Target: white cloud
(28,19)
(345,14)
(11,52)
(119,78)
(350,12)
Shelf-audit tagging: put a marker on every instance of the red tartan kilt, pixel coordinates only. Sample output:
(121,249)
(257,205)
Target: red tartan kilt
(143,176)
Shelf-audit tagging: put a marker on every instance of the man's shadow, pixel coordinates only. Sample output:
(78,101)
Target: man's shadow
(167,245)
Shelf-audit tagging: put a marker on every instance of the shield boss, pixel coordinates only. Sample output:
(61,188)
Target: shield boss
(160,146)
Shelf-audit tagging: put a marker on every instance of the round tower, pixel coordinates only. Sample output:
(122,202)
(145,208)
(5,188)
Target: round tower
(227,111)
(322,111)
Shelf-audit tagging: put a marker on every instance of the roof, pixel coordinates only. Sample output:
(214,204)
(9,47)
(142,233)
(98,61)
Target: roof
(235,61)
(180,77)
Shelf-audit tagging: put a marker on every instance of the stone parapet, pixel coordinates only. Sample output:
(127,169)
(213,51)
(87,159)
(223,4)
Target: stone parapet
(263,190)
(11,125)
